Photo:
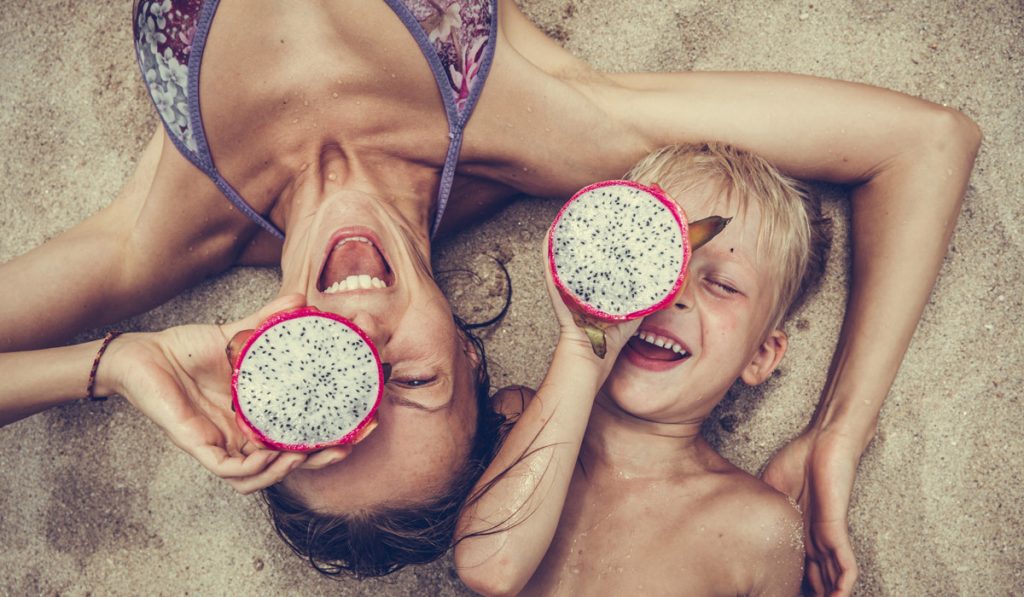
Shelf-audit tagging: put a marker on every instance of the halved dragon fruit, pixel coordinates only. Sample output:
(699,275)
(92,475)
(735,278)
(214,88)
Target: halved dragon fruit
(619,250)
(306,380)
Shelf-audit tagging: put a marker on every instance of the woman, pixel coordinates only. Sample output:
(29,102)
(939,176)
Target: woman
(320,124)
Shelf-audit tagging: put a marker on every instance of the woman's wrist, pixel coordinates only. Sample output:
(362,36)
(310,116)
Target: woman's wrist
(853,419)
(111,365)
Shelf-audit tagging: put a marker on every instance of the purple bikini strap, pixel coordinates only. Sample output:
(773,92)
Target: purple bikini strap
(456,120)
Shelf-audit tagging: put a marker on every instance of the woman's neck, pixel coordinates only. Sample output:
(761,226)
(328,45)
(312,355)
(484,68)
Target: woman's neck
(407,188)
(338,188)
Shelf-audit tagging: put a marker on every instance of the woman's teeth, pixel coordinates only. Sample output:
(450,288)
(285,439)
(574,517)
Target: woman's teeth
(359,282)
(361,239)
(661,342)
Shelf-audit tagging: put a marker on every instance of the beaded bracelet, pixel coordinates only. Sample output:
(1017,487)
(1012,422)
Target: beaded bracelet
(96,365)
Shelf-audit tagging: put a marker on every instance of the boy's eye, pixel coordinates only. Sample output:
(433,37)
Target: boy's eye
(722,286)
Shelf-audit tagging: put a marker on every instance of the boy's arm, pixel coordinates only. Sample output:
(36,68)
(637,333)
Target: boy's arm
(142,249)
(507,529)
(910,162)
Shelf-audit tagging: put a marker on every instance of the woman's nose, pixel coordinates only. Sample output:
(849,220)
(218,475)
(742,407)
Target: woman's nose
(372,325)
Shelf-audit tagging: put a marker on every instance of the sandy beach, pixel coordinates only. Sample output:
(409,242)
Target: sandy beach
(95,500)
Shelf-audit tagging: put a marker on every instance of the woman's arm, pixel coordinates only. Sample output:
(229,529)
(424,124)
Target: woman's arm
(37,380)
(909,161)
(147,246)
(508,529)
(179,378)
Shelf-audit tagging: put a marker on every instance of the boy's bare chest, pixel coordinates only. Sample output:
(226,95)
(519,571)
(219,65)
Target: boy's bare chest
(649,544)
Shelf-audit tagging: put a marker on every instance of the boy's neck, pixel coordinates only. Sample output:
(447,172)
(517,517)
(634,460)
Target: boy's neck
(628,447)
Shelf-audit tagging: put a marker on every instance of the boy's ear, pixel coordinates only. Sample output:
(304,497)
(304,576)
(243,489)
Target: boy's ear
(766,358)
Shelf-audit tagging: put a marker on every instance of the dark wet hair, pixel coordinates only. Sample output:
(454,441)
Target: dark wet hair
(377,542)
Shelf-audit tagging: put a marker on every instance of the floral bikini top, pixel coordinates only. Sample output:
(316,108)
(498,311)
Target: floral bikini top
(455,36)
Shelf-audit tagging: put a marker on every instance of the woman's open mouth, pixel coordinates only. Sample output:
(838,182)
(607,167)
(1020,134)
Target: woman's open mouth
(650,350)
(354,262)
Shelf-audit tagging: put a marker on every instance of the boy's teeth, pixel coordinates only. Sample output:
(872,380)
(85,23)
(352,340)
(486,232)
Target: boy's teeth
(356,282)
(661,342)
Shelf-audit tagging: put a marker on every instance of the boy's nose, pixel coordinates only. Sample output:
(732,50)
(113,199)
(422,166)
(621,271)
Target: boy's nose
(683,299)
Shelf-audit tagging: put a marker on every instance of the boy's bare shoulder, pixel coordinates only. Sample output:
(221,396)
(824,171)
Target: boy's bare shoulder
(764,530)
(759,510)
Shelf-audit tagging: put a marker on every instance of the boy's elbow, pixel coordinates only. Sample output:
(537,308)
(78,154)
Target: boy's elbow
(494,577)
(489,581)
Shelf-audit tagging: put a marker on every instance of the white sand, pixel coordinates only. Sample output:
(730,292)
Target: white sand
(94,499)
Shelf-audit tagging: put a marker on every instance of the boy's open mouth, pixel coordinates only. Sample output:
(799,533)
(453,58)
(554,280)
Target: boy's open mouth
(354,262)
(656,347)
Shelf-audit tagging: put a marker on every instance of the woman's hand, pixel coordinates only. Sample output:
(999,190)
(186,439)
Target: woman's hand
(817,469)
(181,379)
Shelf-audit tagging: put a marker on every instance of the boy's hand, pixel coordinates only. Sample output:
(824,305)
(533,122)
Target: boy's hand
(817,470)
(181,379)
(574,339)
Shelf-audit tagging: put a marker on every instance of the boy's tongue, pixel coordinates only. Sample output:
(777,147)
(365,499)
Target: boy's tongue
(353,258)
(650,351)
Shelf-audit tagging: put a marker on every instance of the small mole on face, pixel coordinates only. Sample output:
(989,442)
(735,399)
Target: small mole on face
(731,249)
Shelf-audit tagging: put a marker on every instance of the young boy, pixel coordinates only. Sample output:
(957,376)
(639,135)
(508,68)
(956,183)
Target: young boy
(605,485)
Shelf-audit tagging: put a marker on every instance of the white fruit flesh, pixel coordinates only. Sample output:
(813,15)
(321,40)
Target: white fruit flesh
(618,249)
(307,381)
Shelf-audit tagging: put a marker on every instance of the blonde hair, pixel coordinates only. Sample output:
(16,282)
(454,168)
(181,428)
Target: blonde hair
(793,234)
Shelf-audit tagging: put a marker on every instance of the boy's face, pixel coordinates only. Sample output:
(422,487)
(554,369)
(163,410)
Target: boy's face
(715,331)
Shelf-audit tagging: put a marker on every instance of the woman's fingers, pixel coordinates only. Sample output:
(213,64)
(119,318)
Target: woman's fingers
(814,578)
(216,460)
(278,470)
(831,573)
(327,457)
(281,303)
(846,566)
(235,345)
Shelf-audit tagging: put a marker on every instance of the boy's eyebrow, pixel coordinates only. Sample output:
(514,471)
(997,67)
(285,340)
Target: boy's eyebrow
(732,257)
